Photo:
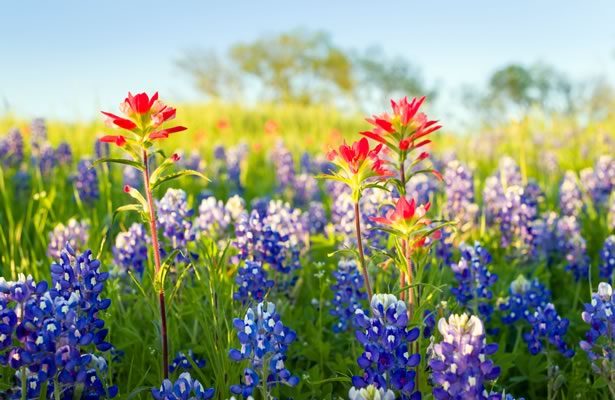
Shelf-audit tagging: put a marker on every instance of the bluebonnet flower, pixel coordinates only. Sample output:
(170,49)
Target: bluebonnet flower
(370,392)
(131,250)
(64,153)
(607,258)
(11,149)
(235,157)
(184,388)
(274,236)
(523,300)
(284,165)
(174,219)
(315,218)
(214,219)
(46,159)
(547,326)
(572,245)
(305,189)
(373,203)
(132,177)
(185,361)
(264,342)
(38,133)
(101,149)
(600,180)
(474,279)
(444,247)
(86,181)
(515,217)
(193,161)
(459,191)
(348,294)
(75,233)
(570,197)
(599,343)
(459,363)
(544,241)
(508,174)
(59,330)
(386,360)
(429,323)
(422,188)
(315,165)
(252,283)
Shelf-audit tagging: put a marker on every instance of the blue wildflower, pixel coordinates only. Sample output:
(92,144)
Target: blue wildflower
(130,252)
(547,326)
(252,283)
(186,361)
(607,258)
(184,388)
(76,233)
(348,294)
(86,181)
(459,363)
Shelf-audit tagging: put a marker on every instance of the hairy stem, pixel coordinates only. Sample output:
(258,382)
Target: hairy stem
(357,223)
(156,246)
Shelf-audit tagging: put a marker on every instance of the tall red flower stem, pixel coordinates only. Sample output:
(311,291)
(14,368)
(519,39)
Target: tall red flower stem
(357,224)
(161,297)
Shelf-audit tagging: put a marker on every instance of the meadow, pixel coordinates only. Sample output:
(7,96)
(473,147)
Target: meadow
(265,282)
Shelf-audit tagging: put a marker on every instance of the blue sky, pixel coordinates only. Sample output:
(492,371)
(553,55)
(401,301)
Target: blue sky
(68,59)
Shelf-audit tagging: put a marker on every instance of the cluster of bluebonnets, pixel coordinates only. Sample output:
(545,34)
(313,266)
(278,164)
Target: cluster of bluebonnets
(53,335)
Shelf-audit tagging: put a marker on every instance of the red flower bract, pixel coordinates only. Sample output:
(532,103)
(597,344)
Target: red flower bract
(118,140)
(141,103)
(355,155)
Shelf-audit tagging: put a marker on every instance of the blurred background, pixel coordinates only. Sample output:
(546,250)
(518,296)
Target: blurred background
(479,63)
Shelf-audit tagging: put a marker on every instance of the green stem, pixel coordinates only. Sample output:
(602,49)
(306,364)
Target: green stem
(156,247)
(357,220)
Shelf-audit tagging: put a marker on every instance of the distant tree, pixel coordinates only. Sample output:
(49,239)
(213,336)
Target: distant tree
(381,78)
(517,88)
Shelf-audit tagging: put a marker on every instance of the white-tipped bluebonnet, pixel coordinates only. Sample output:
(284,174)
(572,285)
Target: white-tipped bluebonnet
(11,149)
(264,342)
(38,133)
(315,218)
(184,388)
(252,283)
(515,217)
(305,189)
(607,258)
(444,247)
(46,159)
(474,280)
(132,177)
(101,149)
(459,363)
(544,240)
(373,203)
(599,343)
(274,235)
(508,174)
(131,250)
(524,297)
(59,331)
(284,165)
(348,294)
(547,327)
(386,360)
(600,180)
(459,190)
(422,188)
(86,182)
(174,219)
(570,197)
(370,392)
(76,233)
(572,245)
(185,361)
(235,157)
(214,219)
(64,153)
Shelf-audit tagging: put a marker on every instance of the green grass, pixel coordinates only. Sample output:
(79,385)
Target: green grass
(201,307)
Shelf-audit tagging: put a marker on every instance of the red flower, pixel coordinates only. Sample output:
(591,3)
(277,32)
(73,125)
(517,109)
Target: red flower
(143,114)
(118,140)
(355,156)
(175,157)
(406,123)
(408,219)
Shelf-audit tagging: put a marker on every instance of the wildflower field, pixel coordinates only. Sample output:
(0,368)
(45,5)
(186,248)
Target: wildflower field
(174,251)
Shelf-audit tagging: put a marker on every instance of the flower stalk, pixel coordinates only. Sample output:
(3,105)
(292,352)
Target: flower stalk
(357,223)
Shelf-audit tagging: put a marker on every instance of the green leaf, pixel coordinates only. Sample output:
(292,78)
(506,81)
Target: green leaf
(164,268)
(170,177)
(135,194)
(136,164)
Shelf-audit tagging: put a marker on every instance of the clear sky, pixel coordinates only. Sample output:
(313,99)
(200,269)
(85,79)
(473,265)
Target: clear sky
(67,59)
